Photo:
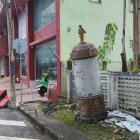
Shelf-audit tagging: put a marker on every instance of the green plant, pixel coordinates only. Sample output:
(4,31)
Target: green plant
(108,43)
(42,106)
(131,67)
(130,64)
(69,64)
(139,59)
(135,69)
(96,131)
(131,43)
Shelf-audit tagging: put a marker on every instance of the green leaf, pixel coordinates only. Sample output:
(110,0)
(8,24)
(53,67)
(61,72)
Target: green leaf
(109,41)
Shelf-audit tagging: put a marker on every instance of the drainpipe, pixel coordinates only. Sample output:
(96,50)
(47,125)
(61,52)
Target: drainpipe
(123,54)
(11,56)
(135,33)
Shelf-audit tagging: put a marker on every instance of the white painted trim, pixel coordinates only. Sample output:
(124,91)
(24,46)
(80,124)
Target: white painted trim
(95,1)
(14,138)
(13,123)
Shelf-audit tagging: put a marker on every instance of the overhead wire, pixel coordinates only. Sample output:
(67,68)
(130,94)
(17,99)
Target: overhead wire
(42,39)
(15,5)
(34,106)
(3,38)
(6,6)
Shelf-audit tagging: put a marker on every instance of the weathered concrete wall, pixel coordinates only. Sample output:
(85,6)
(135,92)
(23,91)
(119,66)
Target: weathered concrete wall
(63,77)
(94,18)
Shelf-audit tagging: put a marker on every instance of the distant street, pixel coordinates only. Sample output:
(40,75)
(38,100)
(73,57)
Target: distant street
(13,126)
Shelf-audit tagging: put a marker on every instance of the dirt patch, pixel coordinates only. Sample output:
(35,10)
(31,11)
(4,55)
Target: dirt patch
(95,130)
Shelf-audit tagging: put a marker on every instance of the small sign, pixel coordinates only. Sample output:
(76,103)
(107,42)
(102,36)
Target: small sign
(12,68)
(22,58)
(20,45)
(95,1)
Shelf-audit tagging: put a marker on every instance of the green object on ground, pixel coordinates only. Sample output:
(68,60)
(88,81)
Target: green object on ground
(44,81)
(96,131)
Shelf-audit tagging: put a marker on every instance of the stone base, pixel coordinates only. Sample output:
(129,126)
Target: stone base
(92,108)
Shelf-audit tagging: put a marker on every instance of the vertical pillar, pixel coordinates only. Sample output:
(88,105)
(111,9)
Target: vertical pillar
(7,56)
(30,38)
(11,57)
(15,35)
(135,32)
(58,46)
(7,66)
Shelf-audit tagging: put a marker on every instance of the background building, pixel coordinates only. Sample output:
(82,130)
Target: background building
(50,28)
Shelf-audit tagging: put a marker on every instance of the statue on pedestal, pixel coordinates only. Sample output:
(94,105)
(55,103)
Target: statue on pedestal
(81,33)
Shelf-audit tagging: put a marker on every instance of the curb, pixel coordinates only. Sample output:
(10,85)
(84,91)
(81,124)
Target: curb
(26,102)
(40,125)
(50,126)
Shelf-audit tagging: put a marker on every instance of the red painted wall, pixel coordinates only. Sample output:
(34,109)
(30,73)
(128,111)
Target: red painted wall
(48,32)
(15,35)
(4,52)
(58,46)
(33,38)
(30,37)
(7,65)
(3,45)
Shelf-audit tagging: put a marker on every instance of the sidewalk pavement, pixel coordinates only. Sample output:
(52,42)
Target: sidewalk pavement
(56,129)
(27,95)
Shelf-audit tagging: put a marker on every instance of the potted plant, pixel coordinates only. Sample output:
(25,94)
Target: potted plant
(69,64)
(108,44)
(130,64)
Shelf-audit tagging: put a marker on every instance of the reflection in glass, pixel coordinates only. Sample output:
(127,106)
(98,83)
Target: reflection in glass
(45,55)
(44,12)
(24,66)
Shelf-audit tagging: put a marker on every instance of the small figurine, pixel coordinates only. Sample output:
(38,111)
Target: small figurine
(81,33)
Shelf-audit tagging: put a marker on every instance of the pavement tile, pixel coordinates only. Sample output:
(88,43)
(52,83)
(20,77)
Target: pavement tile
(58,130)
(55,128)
(27,95)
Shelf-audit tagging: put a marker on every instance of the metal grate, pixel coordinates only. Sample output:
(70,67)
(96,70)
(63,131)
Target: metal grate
(122,91)
(33,86)
(105,88)
(129,94)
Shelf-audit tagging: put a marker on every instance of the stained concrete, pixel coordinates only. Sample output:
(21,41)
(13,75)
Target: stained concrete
(28,131)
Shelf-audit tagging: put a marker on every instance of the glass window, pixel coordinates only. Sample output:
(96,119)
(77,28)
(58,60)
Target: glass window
(2,66)
(22,25)
(45,56)
(44,13)
(131,5)
(95,1)
(22,34)
(24,65)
